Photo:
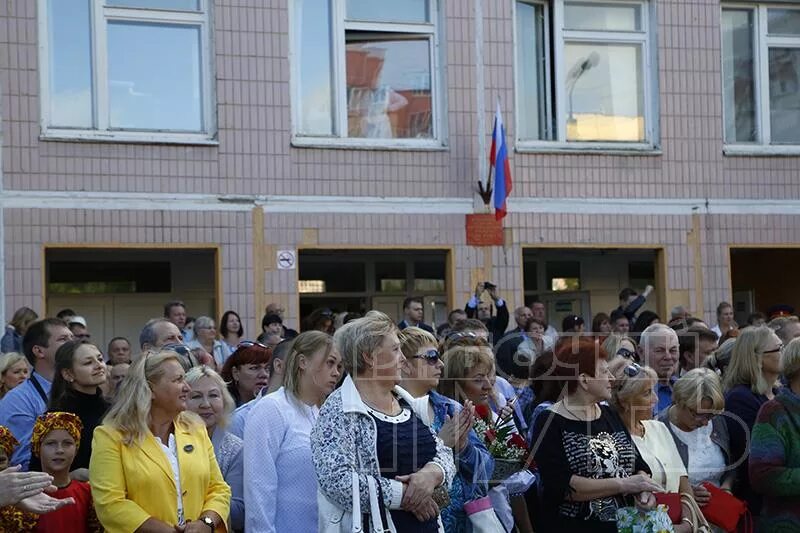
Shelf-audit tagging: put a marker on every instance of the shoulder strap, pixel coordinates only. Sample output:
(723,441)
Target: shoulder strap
(39,389)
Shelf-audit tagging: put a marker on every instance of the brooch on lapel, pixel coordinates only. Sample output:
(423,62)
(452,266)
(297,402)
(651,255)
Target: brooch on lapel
(188,448)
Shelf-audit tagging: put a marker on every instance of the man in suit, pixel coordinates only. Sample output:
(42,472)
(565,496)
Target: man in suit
(414,312)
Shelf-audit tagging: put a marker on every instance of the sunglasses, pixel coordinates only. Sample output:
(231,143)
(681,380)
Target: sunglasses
(250,344)
(776,350)
(431,356)
(633,370)
(180,349)
(626,353)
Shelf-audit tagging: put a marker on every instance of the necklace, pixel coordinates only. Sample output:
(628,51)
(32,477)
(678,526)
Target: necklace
(564,405)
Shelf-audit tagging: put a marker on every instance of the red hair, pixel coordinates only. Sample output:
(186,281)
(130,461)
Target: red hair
(575,356)
(250,355)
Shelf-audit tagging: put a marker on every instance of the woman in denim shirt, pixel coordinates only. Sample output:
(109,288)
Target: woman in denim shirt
(451,421)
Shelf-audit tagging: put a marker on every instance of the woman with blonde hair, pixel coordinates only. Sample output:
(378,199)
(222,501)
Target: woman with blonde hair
(16,329)
(280,484)
(633,396)
(137,483)
(749,383)
(700,434)
(775,451)
(14,370)
(360,430)
(212,402)
(617,345)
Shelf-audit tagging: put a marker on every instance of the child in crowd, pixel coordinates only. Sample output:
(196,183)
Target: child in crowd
(55,441)
(11,518)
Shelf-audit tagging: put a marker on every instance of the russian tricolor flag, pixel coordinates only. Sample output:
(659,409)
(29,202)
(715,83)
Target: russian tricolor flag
(498,159)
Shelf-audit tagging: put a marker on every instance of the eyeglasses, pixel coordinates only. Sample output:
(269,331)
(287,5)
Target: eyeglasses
(633,370)
(180,349)
(431,357)
(776,350)
(626,353)
(250,344)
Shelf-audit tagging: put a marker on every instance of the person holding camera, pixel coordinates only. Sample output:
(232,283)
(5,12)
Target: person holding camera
(495,324)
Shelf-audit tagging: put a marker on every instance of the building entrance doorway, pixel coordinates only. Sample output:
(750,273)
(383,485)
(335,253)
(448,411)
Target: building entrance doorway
(118,290)
(754,289)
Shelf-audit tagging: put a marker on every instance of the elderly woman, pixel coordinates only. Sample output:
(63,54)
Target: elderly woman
(16,329)
(775,451)
(205,337)
(368,437)
(451,421)
(280,483)
(749,383)
(14,370)
(247,371)
(153,466)
(634,397)
(587,460)
(212,402)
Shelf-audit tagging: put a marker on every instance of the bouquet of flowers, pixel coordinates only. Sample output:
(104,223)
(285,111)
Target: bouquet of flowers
(508,448)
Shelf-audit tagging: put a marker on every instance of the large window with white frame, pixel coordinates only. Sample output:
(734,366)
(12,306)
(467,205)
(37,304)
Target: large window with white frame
(126,69)
(761,75)
(365,72)
(584,74)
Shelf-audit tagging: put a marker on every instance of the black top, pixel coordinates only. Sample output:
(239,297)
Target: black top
(404,445)
(600,449)
(91,408)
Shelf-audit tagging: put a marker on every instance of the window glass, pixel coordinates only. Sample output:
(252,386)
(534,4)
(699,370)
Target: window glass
(532,75)
(388,87)
(737,74)
(429,276)
(602,17)
(328,275)
(784,94)
(154,76)
(70,69)
(605,92)
(390,277)
(313,30)
(179,5)
(564,275)
(783,21)
(388,10)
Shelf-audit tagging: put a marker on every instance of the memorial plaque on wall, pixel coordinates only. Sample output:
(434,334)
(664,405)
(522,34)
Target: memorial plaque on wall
(484,230)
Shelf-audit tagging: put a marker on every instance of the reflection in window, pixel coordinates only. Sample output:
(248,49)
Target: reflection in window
(390,276)
(388,88)
(783,22)
(605,94)
(70,73)
(784,94)
(429,276)
(602,16)
(532,63)
(154,85)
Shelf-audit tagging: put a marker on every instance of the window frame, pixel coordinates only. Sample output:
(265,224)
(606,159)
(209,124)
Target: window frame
(555,39)
(100,16)
(761,45)
(434,30)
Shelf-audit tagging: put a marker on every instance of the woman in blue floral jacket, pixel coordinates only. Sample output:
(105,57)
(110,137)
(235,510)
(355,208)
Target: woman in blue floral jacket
(372,427)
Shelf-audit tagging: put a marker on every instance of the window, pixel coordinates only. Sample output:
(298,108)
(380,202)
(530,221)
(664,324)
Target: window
(583,74)
(761,75)
(126,70)
(364,71)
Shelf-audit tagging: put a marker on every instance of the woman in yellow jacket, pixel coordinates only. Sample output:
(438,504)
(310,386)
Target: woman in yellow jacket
(153,468)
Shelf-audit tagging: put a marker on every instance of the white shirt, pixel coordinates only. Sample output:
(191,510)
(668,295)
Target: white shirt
(706,460)
(716,330)
(658,450)
(171,451)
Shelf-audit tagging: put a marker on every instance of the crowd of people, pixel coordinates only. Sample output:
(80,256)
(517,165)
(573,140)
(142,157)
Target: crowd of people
(376,423)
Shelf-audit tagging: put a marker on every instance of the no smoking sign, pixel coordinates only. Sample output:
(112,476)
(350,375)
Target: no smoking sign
(286,259)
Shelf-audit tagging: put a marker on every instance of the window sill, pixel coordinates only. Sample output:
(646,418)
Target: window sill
(410,145)
(641,149)
(198,139)
(751,150)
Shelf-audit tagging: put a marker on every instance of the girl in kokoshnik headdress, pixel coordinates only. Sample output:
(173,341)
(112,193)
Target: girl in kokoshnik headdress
(55,440)
(11,518)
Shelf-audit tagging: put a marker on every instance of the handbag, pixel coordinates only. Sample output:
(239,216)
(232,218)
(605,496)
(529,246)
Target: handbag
(726,510)
(698,520)
(482,517)
(672,501)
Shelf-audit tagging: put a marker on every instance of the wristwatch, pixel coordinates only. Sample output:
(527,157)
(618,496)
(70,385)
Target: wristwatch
(209,522)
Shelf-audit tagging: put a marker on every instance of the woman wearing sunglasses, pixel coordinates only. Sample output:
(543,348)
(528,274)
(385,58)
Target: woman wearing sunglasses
(751,380)
(452,422)
(247,371)
(634,397)
(617,345)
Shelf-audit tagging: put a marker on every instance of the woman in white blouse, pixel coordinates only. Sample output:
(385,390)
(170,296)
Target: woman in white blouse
(699,434)
(634,397)
(280,486)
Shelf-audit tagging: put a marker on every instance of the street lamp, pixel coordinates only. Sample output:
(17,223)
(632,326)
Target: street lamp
(575,74)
